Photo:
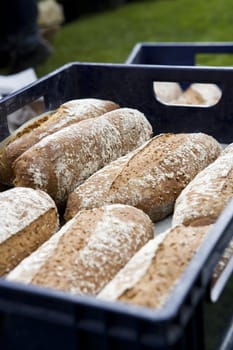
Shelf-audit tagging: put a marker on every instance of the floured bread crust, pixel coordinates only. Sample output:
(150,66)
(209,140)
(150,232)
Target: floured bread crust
(62,161)
(150,276)
(28,218)
(189,97)
(167,91)
(149,178)
(199,94)
(88,251)
(203,200)
(68,113)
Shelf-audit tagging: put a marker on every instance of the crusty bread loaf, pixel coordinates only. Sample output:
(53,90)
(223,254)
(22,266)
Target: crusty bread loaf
(149,178)
(166,91)
(189,97)
(202,201)
(68,113)
(199,94)
(28,218)
(150,276)
(61,161)
(29,126)
(210,93)
(88,251)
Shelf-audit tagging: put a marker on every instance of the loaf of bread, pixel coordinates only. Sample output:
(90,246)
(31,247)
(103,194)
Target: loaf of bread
(149,178)
(68,113)
(210,93)
(88,251)
(189,97)
(167,91)
(28,218)
(199,94)
(62,161)
(150,276)
(203,200)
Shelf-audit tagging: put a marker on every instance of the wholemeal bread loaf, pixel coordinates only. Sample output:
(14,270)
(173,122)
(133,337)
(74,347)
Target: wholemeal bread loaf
(189,97)
(61,161)
(68,113)
(149,178)
(150,276)
(199,94)
(5,164)
(167,91)
(28,218)
(210,93)
(202,201)
(88,251)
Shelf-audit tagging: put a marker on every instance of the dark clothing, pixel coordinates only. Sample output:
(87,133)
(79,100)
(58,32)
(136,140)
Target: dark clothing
(18,24)
(21,45)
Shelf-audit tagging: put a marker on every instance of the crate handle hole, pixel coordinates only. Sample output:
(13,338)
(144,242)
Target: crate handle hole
(24,115)
(187,94)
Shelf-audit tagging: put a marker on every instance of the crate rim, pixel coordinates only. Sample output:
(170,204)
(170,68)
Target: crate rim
(208,45)
(228,70)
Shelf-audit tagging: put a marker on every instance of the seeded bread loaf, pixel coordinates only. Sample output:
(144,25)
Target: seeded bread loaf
(189,97)
(61,161)
(199,94)
(28,218)
(203,200)
(68,113)
(167,91)
(150,276)
(150,177)
(88,250)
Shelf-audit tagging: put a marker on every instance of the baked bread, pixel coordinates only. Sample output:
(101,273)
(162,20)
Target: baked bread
(203,200)
(211,93)
(189,97)
(28,218)
(62,161)
(29,126)
(199,94)
(150,276)
(88,251)
(166,91)
(29,134)
(150,178)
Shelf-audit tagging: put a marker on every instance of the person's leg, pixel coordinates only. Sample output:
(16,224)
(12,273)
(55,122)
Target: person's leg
(20,35)
(18,24)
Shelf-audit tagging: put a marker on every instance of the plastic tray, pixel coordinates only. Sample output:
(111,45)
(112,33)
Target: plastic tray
(183,54)
(36,318)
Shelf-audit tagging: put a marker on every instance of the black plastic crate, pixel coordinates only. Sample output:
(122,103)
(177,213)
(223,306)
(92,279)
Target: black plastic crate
(36,318)
(176,53)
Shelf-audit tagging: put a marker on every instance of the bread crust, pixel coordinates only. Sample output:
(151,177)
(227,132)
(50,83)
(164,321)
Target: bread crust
(150,276)
(149,178)
(68,113)
(61,161)
(199,94)
(28,218)
(203,200)
(88,251)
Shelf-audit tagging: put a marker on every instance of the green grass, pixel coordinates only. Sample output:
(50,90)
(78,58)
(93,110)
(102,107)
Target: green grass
(110,36)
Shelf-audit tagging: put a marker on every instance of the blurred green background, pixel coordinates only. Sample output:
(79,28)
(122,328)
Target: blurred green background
(109,33)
